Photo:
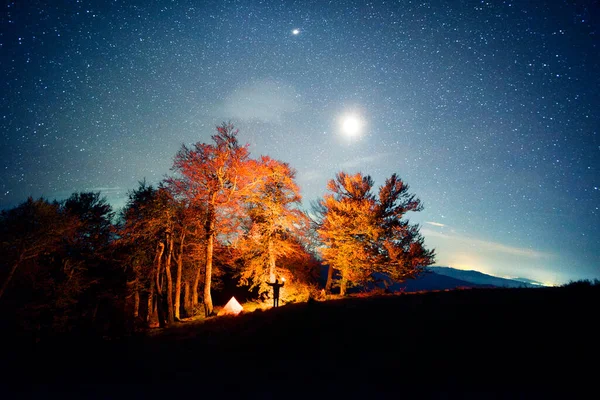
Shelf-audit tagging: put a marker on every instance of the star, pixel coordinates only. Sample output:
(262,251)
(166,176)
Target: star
(381,95)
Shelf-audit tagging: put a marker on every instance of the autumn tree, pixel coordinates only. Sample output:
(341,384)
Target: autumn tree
(348,228)
(149,230)
(137,242)
(179,233)
(300,268)
(363,233)
(33,294)
(88,255)
(213,177)
(401,252)
(185,221)
(67,280)
(195,255)
(274,224)
(29,231)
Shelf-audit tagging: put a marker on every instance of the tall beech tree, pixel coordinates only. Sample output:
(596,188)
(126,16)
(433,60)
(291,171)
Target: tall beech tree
(213,176)
(182,225)
(348,228)
(195,255)
(363,233)
(274,222)
(150,230)
(137,241)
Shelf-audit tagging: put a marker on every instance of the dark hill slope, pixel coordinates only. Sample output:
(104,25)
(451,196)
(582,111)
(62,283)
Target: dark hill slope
(532,342)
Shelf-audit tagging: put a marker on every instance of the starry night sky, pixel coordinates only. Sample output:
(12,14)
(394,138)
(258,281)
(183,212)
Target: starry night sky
(487,109)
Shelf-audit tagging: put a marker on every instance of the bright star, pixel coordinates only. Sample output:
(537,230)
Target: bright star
(295,31)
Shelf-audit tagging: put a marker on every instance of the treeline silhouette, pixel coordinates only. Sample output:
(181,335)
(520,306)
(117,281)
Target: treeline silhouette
(221,220)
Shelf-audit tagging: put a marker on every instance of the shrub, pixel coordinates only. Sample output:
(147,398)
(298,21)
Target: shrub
(584,283)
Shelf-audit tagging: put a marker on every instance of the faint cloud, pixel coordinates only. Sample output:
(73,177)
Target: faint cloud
(435,224)
(310,175)
(103,189)
(265,101)
(487,245)
(357,162)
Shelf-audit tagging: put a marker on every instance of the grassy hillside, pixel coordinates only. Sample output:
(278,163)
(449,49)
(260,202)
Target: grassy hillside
(507,341)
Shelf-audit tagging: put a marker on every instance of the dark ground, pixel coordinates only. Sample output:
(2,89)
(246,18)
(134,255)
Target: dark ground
(479,343)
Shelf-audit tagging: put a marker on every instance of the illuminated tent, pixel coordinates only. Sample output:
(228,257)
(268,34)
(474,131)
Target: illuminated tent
(231,308)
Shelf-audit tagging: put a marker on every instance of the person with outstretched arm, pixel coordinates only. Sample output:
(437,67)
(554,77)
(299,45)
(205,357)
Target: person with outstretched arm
(276,286)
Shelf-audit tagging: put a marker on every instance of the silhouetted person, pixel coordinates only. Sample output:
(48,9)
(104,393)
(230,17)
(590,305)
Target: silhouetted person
(276,286)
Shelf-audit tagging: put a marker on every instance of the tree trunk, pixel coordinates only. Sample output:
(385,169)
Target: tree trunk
(196,285)
(136,304)
(159,294)
(208,305)
(329,279)
(169,280)
(178,277)
(343,283)
(271,261)
(150,303)
(187,300)
(9,277)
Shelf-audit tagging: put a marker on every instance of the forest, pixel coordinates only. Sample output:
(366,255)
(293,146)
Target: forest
(222,219)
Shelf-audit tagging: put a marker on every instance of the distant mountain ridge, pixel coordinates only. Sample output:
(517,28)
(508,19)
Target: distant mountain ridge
(441,278)
(428,281)
(479,278)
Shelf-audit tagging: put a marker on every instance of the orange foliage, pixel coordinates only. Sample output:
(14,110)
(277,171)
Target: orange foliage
(274,226)
(363,234)
(214,177)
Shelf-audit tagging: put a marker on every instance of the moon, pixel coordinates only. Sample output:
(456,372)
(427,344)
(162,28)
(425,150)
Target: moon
(351,125)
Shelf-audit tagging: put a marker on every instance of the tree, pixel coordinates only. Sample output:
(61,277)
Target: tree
(59,255)
(182,218)
(401,250)
(363,234)
(96,215)
(149,224)
(100,282)
(137,242)
(348,228)
(274,224)
(213,177)
(28,231)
